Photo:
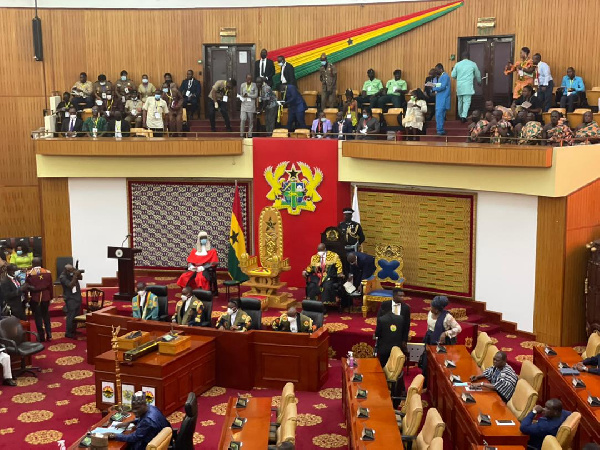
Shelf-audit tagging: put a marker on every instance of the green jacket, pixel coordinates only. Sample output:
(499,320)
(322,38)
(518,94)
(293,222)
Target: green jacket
(304,323)
(150,311)
(242,320)
(192,316)
(91,123)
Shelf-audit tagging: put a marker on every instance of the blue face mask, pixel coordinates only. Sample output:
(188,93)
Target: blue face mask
(19,252)
(165,90)
(365,116)
(157,96)
(323,119)
(203,241)
(323,63)
(123,78)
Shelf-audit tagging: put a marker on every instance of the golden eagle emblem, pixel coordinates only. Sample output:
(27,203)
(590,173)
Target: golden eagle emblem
(294,189)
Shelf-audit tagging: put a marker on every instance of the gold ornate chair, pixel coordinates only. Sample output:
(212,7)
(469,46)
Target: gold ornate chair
(389,265)
(264,279)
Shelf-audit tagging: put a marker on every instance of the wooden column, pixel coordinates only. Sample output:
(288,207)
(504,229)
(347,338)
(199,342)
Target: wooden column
(56,220)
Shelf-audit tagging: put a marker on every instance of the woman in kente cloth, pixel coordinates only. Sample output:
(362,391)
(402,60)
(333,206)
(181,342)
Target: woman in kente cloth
(442,328)
(587,132)
(525,70)
(201,258)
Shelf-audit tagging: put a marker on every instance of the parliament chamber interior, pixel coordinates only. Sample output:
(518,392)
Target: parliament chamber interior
(298,226)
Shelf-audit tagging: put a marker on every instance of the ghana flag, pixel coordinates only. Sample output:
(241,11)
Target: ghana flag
(237,243)
(305,57)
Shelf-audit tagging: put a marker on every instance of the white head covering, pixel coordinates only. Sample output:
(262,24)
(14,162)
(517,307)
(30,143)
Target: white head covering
(202,234)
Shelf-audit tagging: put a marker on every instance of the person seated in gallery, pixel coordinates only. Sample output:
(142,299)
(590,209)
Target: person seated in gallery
(200,258)
(587,132)
(72,127)
(570,91)
(95,126)
(145,304)
(118,128)
(593,361)
(499,128)
(501,377)
(558,133)
(234,319)
(320,126)
(294,322)
(529,133)
(341,129)
(529,102)
(552,416)
(477,127)
(149,421)
(367,125)
(321,275)
(188,310)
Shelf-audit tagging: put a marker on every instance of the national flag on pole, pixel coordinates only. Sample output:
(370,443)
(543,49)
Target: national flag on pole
(356,213)
(237,243)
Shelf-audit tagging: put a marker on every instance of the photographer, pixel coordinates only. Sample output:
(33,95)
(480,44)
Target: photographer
(69,280)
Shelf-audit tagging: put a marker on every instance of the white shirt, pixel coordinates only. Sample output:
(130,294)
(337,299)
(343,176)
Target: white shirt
(263,67)
(396,308)
(232,317)
(186,305)
(544,73)
(294,325)
(283,80)
(142,300)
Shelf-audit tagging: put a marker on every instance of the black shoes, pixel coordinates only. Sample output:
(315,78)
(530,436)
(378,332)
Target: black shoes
(9,382)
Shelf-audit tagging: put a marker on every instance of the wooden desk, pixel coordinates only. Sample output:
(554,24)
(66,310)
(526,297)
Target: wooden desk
(500,447)
(112,444)
(173,377)
(269,359)
(382,417)
(255,433)
(460,417)
(557,386)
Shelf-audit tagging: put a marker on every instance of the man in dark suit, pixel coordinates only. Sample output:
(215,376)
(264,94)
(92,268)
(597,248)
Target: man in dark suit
(41,292)
(398,308)
(191,90)
(362,267)
(12,293)
(296,107)
(391,331)
(288,76)
(264,68)
(118,127)
(72,125)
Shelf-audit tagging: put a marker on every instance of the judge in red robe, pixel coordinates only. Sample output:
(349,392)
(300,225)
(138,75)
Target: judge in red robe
(200,258)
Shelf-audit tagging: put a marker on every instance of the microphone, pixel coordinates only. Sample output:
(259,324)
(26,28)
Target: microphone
(126,237)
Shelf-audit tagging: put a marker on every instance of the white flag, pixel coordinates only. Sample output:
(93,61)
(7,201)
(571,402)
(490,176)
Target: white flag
(356,213)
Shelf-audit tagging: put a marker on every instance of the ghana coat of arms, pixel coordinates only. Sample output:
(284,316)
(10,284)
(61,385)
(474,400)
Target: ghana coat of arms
(294,187)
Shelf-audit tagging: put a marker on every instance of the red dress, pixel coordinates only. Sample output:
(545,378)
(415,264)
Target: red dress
(197,280)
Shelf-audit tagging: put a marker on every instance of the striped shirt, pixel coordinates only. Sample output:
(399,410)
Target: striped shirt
(504,380)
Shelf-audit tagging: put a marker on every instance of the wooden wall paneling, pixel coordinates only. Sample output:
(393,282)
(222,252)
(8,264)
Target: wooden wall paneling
(56,219)
(19,211)
(549,272)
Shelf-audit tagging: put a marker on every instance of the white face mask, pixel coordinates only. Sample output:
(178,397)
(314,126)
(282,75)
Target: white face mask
(102,83)
(321,253)
(141,293)
(123,78)
(184,297)
(280,64)
(109,97)
(230,311)
(144,80)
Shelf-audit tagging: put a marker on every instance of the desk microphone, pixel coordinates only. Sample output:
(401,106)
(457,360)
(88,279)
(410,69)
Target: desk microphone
(126,237)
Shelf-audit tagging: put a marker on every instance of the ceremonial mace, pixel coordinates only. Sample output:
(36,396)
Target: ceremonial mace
(115,346)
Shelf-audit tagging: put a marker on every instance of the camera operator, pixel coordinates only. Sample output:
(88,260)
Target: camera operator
(69,280)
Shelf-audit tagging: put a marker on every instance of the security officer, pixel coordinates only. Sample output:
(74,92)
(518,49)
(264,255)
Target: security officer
(352,231)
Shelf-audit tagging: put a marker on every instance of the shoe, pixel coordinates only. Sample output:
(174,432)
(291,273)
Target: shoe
(463,119)
(228,129)
(42,339)
(441,133)
(9,382)
(49,337)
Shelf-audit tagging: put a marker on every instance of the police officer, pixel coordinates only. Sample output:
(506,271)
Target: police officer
(352,231)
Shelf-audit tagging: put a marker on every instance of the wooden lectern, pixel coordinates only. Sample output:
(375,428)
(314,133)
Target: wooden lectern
(126,257)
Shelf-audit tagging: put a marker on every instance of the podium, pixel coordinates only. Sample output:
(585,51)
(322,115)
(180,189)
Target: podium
(126,258)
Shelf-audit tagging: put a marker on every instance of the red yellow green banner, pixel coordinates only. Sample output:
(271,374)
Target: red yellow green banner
(305,56)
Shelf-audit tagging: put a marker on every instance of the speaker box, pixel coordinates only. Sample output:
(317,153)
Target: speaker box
(38,49)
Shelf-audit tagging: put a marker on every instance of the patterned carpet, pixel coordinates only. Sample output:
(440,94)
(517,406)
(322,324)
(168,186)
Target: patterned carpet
(60,403)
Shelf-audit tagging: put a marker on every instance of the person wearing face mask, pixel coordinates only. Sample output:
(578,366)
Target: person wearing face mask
(328,77)
(264,68)
(72,126)
(292,98)
(145,304)
(113,104)
(95,126)
(175,117)
(102,89)
(367,125)
(118,128)
(219,97)
(320,126)
(13,293)
(248,94)
(287,73)
(188,310)
(200,258)
(82,92)
(41,292)
(293,322)
(324,270)
(123,87)
(342,127)
(62,109)
(414,118)
(234,319)
(191,90)
(372,88)
(153,112)
(145,89)
(133,110)
(167,84)
(267,104)
(22,257)
(351,107)
(69,281)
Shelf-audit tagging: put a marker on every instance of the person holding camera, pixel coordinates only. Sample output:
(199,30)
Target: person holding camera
(69,280)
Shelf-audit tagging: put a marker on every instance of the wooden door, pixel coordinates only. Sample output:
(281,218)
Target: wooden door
(490,53)
(224,62)
(592,293)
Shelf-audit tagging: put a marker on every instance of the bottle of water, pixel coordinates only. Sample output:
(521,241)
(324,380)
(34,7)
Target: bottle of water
(350,360)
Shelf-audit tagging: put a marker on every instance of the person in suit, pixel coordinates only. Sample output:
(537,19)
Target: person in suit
(293,321)
(593,361)
(362,267)
(118,127)
(13,292)
(442,98)
(264,68)
(234,319)
(41,293)
(191,90)
(397,307)
(188,310)
(288,76)
(341,129)
(69,281)
(391,331)
(321,274)
(71,126)
(145,304)
(552,416)
(296,106)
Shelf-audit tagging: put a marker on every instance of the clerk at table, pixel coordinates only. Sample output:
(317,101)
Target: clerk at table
(145,304)
(149,421)
(592,361)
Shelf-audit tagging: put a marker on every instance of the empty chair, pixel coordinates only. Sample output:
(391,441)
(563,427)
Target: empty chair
(437,444)
(391,117)
(61,262)
(551,443)
(94,301)
(394,373)
(488,361)
(300,133)
(185,435)
(523,400)
(532,374)
(377,113)
(287,429)
(12,337)
(253,308)
(280,133)
(331,113)
(433,428)
(287,396)
(310,97)
(412,421)
(162,440)
(162,292)
(315,310)
(483,342)
(206,297)
(415,388)
(141,132)
(309,115)
(567,430)
(593,345)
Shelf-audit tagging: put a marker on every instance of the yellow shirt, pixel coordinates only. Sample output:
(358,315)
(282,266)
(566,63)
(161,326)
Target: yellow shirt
(154,106)
(146,90)
(23,261)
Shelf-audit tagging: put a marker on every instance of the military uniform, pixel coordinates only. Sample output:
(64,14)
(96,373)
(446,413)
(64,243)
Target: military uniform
(150,311)
(304,324)
(192,315)
(353,233)
(242,320)
(328,76)
(321,276)
(123,89)
(41,293)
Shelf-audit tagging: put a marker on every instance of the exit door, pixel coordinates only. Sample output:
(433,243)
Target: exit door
(228,61)
(490,53)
